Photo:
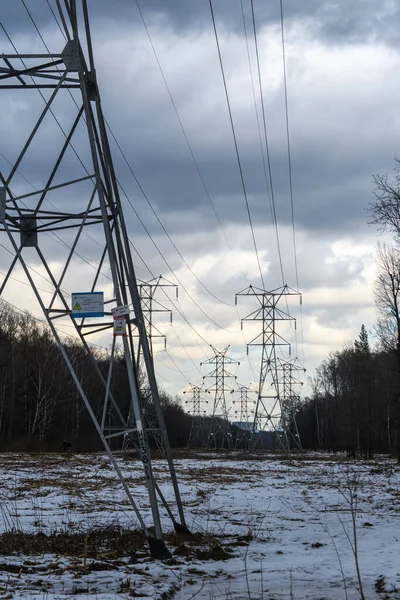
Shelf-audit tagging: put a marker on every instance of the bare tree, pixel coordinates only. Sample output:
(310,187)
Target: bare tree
(387,299)
(384,210)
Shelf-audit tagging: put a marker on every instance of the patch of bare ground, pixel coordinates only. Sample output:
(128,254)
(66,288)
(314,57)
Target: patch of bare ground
(105,548)
(273,455)
(223,474)
(76,485)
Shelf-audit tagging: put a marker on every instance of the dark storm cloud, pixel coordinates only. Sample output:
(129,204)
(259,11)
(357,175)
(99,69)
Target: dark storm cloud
(332,180)
(336,22)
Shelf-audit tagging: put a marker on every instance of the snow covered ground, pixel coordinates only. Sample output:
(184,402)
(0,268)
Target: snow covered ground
(268,528)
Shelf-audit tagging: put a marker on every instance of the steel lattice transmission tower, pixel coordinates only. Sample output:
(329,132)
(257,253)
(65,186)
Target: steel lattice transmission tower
(198,433)
(290,400)
(268,411)
(245,413)
(76,198)
(220,434)
(151,304)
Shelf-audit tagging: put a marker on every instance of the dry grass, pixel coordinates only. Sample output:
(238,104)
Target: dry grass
(220,474)
(112,544)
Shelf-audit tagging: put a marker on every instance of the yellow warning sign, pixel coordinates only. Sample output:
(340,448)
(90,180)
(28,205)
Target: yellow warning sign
(77,307)
(119,326)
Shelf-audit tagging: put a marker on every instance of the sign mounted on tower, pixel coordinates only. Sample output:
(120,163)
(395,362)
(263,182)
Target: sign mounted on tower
(87,304)
(120,311)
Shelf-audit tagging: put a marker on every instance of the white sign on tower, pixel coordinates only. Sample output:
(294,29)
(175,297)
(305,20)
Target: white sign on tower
(87,304)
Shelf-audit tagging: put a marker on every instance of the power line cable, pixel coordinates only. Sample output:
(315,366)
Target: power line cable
(235,142)
(266,142)
(25,282)
(174,106)
(160,222)
(288,143)
(56,20)
(267,170)
(290,169)
(169,266)
(180,312)
(268,153)
(32,269)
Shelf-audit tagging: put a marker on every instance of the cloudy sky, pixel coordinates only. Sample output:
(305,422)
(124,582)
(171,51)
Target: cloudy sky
(343,81)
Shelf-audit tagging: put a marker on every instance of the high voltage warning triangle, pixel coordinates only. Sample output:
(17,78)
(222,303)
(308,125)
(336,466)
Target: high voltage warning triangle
(75,188)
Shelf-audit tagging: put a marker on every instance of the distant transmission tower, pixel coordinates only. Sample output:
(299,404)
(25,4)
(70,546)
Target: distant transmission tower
(76,198)
(151,304)
(290,401)
(268,411)
(220,434)
(245,415)
(198,433)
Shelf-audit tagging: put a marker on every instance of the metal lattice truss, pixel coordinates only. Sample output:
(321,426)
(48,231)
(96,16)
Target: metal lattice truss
(67,231)
(198,431)
(245,415)
(220,434)
(151,304)
(290,400)
(268,413)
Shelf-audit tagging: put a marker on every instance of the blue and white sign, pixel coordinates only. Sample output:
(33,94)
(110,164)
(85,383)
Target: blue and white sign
(87,304)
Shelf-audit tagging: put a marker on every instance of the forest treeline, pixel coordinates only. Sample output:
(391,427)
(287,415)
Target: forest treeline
(354,402)
(353,406)
(40,406)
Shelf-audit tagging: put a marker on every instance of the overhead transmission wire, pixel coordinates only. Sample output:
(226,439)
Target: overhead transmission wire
(23,282)
(31,269)
(290,168)
(186,138)
(183,132)
(272,195)
(168,265)
(266,163)
(160,222)
(268,177)
(177,369)
(56,20)
(289,154)
(235,142)
(268,154)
